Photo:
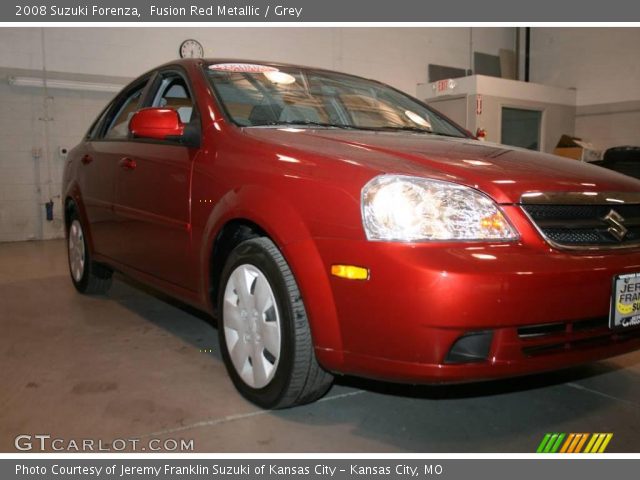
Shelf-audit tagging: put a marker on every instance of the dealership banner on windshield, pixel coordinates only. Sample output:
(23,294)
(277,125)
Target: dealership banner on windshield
(335,469)
(317,11)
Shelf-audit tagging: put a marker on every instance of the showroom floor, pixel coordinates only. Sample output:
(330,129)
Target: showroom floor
(132,365)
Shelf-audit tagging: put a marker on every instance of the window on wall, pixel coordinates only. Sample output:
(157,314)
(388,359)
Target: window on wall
(521,128)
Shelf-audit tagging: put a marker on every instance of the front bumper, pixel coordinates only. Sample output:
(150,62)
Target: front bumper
(544,309)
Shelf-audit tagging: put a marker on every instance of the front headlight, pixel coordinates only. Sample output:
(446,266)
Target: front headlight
(403,208)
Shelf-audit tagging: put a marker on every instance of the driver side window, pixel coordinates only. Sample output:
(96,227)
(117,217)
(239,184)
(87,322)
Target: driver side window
(119,125)
(174,93)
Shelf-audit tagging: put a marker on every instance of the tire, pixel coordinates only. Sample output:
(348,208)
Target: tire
(263,329)
(627,153)
(87,276)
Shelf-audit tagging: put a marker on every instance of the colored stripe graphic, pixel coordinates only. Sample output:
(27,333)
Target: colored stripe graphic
(568,442)
(543,443)
(556,445)
(551,443)
(604,445)
(598,443)
(583,440)
(574,443)
(590,444)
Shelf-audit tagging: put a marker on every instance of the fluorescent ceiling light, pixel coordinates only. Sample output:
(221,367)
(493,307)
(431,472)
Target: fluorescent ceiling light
(65,84)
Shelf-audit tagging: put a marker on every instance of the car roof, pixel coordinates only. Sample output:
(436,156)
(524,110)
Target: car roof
(208,61)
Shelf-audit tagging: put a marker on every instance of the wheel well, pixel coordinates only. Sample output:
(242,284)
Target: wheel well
(230,236)
(69,207)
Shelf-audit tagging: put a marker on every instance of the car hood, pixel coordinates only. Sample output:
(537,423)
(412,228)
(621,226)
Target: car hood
(503,172)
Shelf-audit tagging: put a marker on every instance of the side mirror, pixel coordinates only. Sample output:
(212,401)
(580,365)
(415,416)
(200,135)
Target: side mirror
(156,123)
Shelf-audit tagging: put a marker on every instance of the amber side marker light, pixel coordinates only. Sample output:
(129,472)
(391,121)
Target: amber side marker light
(350,272)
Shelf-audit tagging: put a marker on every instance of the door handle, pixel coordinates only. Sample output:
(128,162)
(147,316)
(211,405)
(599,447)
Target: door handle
(86,159)
(127,163)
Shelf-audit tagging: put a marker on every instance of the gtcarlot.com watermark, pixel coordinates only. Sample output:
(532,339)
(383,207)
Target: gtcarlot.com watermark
(47,443)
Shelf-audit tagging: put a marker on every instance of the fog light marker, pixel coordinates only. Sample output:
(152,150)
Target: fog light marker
(350,272)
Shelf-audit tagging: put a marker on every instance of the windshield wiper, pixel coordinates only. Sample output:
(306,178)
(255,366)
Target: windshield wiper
(302,123)
(442,134)
(399,128)
(410,129)
(353,127)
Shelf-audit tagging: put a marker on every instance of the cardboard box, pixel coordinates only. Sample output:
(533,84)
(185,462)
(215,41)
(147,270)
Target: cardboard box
(577,149)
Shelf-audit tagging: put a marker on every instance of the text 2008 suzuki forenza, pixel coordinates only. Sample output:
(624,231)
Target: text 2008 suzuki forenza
(335,225)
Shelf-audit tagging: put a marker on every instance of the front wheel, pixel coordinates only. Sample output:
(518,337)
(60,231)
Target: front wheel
(264,332)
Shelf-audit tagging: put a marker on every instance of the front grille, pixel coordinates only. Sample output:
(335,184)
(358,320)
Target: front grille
(585,225)
(549,329)
(549,338)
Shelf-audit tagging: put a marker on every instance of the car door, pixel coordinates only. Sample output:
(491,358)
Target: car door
(98,167)
(152,206)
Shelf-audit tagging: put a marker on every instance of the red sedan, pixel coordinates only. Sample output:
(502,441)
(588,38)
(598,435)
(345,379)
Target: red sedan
(335,225)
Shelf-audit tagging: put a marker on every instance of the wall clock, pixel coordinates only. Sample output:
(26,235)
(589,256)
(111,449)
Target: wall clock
(191,49)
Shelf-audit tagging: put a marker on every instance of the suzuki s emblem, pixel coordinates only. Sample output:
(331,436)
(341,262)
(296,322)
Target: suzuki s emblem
(616,227)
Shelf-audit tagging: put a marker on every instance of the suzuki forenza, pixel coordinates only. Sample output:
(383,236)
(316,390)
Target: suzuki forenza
(334,225)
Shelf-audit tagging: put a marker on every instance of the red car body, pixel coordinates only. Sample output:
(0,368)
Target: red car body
(157,212)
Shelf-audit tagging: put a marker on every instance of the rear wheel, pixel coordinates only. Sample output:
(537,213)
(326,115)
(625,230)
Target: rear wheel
(87,276)
(264,333)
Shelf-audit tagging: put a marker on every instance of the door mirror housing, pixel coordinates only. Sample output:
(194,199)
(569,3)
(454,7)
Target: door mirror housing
(157,124)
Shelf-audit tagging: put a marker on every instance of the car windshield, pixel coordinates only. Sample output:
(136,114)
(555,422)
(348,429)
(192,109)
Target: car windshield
(261,95)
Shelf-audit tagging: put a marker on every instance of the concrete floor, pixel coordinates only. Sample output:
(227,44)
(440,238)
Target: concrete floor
(130,365)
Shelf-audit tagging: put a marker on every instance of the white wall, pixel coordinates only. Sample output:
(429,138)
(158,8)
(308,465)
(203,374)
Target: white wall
(27,181)
(603,64)
(398,56)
